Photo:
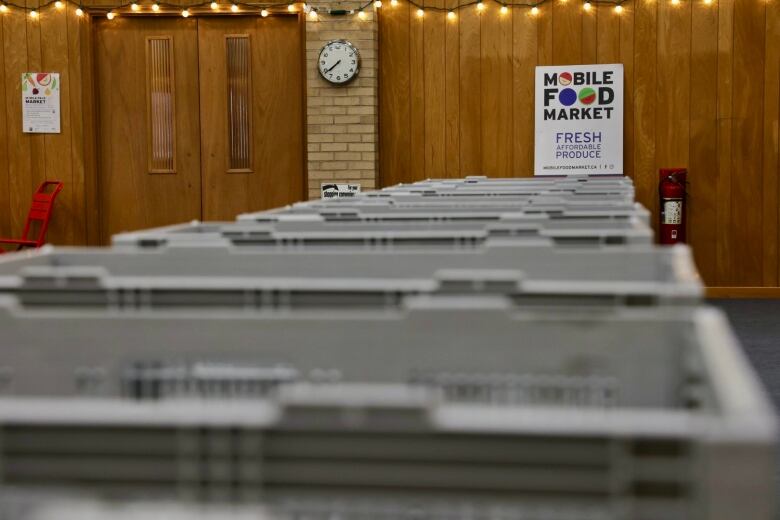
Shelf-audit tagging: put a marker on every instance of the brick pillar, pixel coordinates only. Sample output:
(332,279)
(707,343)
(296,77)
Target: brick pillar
(342,120)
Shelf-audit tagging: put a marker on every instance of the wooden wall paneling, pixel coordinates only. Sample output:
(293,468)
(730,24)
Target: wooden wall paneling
(673,85)
(5,188)
(417,99)
(89,113)
(394,85)
(452,96)
(77,43)
(434,29)
(470,93)
(723,264)
(589,34)
(567,36)
(524,56)
(771,145)
(645,79)
(703,164)
(34,63)
(627,59)
(55,57)
(496,99)
(608,37)
(544,33)
(19,163)
(746,226)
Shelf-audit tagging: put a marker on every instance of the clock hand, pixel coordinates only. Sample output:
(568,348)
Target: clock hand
(333,67)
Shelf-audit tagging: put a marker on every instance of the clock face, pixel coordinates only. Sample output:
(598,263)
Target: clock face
(339,62)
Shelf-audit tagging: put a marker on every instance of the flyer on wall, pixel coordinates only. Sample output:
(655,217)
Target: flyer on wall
(41,103)
(579,120)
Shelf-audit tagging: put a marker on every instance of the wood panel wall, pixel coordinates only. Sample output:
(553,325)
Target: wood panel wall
(702,91)
(57,41)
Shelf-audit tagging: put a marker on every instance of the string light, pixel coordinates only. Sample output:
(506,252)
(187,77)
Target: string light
(675,2)
(708,2)
(451,15)
(185,13)
(420,13)
(234,8)
(214,6)
(618,9)
(504,9)
(480,6)
(264,13)
(79,12)
(313,14)
(534,10)
(361,15)
(393,3)
(291,7)
(586,6)
(135,7)
(3,8)
(378,3)
(33,14)
(58,4)
(110,15)
(155,7)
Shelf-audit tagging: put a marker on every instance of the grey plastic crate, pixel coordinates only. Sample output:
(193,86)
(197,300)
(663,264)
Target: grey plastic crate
(173,275)
(484,215)
(645,413)
(313,231)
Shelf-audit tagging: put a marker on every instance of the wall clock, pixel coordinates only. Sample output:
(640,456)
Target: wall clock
(339,62)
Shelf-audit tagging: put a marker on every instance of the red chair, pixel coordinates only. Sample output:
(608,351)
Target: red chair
(39,216)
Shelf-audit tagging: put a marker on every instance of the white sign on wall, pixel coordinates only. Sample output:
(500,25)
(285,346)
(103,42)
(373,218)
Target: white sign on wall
(579,120)
(338,191)
(41,103)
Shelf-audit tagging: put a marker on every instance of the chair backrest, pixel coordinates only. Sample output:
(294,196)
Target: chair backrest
(40,211)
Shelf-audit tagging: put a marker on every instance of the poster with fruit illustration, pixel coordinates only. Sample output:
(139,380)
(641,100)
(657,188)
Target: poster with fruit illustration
(41,103)
(579,120)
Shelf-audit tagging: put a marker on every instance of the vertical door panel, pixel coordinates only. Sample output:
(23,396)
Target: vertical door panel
(149,131)
(251,114)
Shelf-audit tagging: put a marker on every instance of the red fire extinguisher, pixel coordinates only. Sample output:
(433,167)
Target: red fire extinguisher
(671,191)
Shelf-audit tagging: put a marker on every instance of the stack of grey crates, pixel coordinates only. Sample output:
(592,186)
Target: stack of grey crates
(470,349)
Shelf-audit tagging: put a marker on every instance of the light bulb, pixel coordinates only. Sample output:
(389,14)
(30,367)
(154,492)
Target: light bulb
(264,13)
(79,12)
(3,8)
(185,13)
(313,14)
(586,6)
(504,9)
(234,8)
(110,15)
(291,7)
(58,4)
(377,3)
(33,14)
(155,7)
(420,13)
(214,6)
(480,6)
(534,10)
(393,3)
(451,15)
(135,7)
(675,2)
(361,15)
(708,2)
(618,9)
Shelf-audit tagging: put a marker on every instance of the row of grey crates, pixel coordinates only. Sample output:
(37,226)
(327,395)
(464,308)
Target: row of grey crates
(452,349)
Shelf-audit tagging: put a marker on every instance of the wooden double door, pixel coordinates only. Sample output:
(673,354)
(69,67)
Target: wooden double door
(197,118)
